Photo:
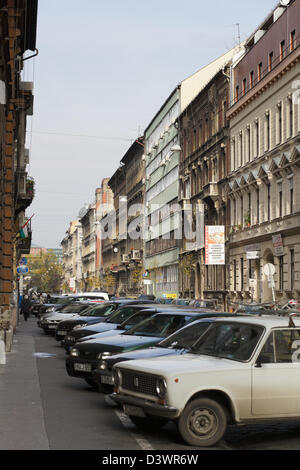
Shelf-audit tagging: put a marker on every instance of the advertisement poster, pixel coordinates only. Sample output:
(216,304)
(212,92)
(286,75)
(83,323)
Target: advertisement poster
(215,245)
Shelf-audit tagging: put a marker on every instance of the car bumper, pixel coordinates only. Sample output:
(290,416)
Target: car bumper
(102,377)
(49,328)
(148,407)
(77,367)
(60,334)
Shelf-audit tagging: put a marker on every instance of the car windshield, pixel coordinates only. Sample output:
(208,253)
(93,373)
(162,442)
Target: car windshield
(229,340)
(122,314)
(100,311)
(134,320)
(185,338)
(74,308)
(160,326)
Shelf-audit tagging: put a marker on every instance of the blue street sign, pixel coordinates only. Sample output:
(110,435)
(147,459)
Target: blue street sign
(22,270)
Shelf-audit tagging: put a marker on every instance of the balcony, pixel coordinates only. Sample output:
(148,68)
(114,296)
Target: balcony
(210,190)
(25,194)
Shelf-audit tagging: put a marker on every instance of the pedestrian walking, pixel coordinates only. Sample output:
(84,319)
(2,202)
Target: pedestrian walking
(26,307)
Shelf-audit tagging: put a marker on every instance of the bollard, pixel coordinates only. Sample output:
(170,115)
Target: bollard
(2,352)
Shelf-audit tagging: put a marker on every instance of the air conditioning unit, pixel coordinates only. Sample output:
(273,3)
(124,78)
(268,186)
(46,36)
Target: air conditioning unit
(136,255)
(125,259)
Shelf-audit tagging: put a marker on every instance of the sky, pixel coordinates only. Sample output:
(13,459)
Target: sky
(103,71)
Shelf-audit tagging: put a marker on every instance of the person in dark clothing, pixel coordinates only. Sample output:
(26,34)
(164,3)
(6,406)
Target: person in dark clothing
(25,307)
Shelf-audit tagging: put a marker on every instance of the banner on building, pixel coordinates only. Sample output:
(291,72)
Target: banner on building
(278,245)
(215,245)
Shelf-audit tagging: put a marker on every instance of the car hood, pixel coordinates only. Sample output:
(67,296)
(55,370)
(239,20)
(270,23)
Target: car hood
(101,327)
(117,343)
(144,354)
(76,320)
(184,364)
(60,316)
(104,334)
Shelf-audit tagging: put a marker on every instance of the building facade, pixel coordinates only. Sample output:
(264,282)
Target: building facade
(18,21)
(205,160)
(123,249)
(263,186)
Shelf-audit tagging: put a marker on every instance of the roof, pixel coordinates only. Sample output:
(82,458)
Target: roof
(268,321)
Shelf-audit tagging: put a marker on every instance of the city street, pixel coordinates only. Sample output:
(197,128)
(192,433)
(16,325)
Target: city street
(45,409)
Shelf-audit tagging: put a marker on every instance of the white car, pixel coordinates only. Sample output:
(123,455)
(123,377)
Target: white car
(242,370)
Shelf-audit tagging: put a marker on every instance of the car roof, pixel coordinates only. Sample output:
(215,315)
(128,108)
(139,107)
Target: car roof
(269,321)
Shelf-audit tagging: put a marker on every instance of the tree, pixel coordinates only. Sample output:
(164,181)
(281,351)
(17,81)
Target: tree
(46,273)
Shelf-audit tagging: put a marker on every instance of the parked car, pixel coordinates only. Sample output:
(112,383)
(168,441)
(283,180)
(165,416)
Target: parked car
(176,344)
(84,356)
(241,370)
(54,303)
(204,303)
(110,322)
(95,315)
(112,328)
(48,322)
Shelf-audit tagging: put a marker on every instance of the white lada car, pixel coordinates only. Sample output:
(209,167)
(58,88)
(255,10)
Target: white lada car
(242,370)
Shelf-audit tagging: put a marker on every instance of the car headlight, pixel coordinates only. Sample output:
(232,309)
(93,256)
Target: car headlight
(161,388)
(74,352)
(103,355)
(50,309)
(80,326)
(102,364)
(117,376)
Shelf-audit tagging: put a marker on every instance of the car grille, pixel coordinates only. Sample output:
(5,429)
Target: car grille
(137,382)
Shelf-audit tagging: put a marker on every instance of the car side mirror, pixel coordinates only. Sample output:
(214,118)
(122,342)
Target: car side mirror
(258,363)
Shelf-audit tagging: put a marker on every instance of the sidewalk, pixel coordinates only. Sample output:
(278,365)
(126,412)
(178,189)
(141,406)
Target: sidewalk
(21,412)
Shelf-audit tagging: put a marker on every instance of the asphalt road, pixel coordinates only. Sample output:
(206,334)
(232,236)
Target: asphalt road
(70,416)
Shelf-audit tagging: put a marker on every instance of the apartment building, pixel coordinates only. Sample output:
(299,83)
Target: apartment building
(264,180)
(18,22)
(162,212)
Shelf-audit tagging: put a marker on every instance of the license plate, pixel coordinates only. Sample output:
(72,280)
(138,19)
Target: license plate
(83,367)
(52,327)
(61,333)
(134,411)
(107,379)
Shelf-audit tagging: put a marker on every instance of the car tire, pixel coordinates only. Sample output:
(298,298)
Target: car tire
(202,423)
(150,422)
(92,384)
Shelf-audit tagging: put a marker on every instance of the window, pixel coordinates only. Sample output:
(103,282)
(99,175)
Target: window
(234,275)
(257,137)
(244,86)
(249,143)
(241,149)
(291,195)
(291,117)
(251,79)
(282,50)
(292,268)
(233,154)
(292,40)
(279,123)
(269,202)
(270,62)
(280,347)
(279,186)
(281,274)
(236,93)
(242,274)
(259,71)
(257,206)
(268,134)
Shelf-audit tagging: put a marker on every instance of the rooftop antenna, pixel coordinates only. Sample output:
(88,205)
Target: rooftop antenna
(238,33)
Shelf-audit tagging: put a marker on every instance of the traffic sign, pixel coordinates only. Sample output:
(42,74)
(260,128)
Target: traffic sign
(22,269)
(269,269)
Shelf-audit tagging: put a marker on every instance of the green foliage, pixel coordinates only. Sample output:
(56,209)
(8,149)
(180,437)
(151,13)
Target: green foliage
(46,273)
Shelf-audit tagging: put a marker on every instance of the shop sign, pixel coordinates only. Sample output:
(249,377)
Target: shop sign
(278,245)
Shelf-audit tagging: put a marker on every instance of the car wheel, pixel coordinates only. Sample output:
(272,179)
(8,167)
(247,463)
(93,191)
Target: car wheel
(202,423)
(92,384)
(150,422)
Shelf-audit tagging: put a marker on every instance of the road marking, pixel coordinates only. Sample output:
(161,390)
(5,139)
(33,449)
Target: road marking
(142,442)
